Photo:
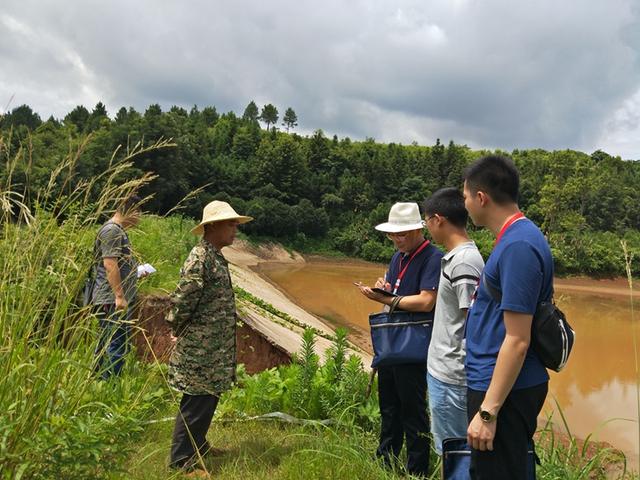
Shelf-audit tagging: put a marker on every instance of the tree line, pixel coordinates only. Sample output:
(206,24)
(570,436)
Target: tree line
(327,191)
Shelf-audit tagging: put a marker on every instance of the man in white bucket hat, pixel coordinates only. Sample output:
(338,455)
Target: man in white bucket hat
(203,320)
(413,274)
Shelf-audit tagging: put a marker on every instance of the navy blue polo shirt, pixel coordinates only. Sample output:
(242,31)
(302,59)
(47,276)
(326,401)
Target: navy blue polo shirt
(521,267)
(423,273)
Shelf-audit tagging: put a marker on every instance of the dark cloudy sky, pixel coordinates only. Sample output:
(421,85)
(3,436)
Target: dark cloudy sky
(489,73)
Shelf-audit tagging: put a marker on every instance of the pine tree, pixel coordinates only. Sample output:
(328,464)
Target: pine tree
(290,119)
(269,115)
(251,112)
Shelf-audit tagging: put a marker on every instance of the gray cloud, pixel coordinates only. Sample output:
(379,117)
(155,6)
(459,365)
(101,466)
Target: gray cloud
(490,73)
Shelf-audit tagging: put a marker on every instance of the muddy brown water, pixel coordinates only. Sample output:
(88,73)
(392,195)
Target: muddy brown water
(598,389)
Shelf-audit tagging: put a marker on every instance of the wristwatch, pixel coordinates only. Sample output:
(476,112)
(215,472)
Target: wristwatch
(486,416)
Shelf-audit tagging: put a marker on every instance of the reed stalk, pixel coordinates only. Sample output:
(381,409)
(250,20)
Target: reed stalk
(628,259)
(56,420)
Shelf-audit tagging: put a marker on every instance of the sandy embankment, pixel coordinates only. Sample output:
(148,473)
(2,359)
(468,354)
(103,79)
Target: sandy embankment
(243,258)
(617,287)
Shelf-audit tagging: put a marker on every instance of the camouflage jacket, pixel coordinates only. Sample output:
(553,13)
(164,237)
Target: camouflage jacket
(203,319)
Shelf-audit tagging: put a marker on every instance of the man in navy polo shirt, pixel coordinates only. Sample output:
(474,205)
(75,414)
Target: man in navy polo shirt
(413,274)
(507,383)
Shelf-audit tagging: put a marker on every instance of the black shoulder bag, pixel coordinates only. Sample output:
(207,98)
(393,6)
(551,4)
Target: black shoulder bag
(551,335)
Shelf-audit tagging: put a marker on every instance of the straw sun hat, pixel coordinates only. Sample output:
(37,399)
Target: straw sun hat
(218,211)
(402,218)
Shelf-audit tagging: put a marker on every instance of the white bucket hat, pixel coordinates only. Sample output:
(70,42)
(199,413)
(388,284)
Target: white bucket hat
(403,217)
(218,211)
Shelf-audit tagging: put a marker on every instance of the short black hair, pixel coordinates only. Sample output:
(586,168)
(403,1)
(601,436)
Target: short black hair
(131,203)
(449,203)
(496,175)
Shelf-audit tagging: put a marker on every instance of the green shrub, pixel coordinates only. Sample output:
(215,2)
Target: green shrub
(335,389)
(376,251)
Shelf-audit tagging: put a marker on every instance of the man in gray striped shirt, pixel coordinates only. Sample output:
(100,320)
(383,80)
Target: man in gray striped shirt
(446,220)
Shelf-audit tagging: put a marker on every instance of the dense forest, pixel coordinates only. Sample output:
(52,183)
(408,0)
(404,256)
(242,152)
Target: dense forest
(320,191)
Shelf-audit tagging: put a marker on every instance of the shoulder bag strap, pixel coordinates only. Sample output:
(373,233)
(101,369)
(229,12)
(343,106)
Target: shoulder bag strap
(495,293)
(394,304)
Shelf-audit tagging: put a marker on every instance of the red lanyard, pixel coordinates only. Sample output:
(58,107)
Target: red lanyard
(404,270)
(513,219)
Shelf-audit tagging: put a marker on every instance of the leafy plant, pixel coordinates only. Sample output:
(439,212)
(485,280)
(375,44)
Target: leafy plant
(308,389)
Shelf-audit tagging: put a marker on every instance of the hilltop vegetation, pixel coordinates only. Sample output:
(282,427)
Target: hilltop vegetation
(315,191)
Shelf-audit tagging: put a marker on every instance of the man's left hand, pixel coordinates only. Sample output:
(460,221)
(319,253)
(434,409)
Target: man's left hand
(370,294)
(480,434)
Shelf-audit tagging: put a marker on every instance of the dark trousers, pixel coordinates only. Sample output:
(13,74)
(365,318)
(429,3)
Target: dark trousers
(402,394)
(189,441)
(517,422)
(113,343)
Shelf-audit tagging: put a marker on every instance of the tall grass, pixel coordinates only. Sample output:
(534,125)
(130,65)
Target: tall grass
(56,420)
(628,259)
(164,243)
(565,457)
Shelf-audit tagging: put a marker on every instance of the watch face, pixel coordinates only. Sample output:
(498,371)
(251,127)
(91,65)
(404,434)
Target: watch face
(486,416)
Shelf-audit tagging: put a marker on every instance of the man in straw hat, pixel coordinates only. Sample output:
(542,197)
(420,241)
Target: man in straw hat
(413,274)
(203,320)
